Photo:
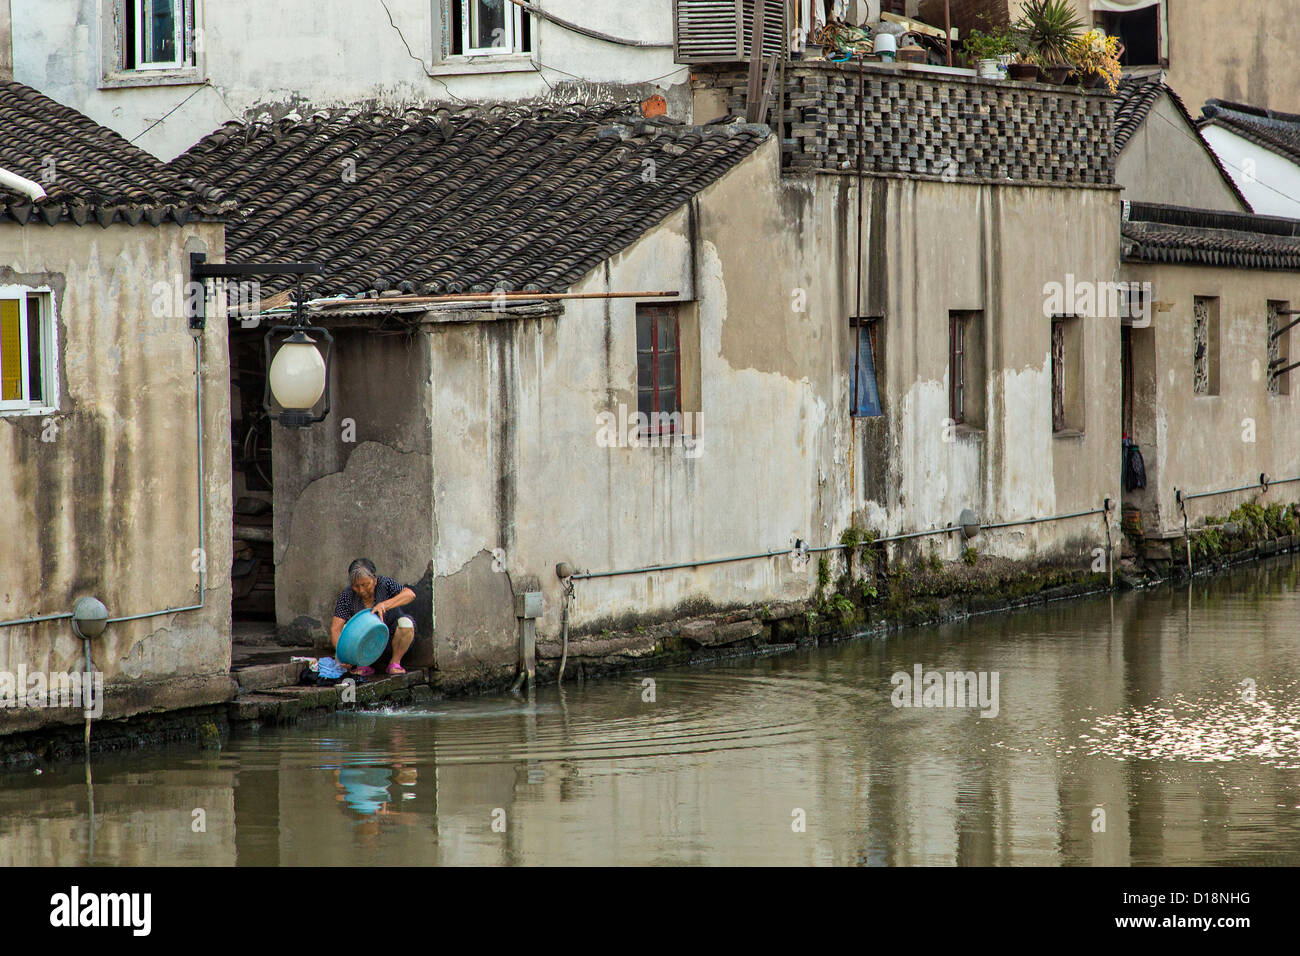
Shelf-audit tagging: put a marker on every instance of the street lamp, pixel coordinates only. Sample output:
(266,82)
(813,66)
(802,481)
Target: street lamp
(298,374)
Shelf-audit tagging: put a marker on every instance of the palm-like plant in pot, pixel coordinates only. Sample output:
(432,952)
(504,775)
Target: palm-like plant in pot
(1049,27)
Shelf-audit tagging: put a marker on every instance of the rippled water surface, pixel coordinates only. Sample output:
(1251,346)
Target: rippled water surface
(1161,727)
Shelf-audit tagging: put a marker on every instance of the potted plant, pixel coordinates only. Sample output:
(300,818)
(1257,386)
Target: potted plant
(986,51)
(1024,67)
(1024,61)
(1095,58)
(1048,27)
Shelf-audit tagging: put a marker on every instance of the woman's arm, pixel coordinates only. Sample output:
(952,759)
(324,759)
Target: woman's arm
(336,628)
(400,599)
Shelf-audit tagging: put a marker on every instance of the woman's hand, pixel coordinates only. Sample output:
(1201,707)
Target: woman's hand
(380,608)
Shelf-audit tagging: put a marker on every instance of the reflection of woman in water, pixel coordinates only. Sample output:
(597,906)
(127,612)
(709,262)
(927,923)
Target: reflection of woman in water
(364,792)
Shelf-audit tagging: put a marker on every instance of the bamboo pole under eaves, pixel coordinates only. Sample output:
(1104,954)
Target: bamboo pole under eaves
(494,297)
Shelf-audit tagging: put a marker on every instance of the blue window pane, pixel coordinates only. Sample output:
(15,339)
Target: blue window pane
(866,397)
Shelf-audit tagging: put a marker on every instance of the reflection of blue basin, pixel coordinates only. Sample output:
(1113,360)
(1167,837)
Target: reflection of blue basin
(365,789)
(363,639)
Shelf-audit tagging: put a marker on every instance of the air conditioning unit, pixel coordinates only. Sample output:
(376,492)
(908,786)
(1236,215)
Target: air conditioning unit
(720,31)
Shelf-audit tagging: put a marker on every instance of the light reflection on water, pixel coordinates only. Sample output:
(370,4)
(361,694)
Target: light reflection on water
(1126,704)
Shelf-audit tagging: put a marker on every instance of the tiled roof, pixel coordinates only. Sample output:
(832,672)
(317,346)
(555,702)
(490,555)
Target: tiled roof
(1279,132)
(1133,102)
(88,172)
(1175,234)
(433,201)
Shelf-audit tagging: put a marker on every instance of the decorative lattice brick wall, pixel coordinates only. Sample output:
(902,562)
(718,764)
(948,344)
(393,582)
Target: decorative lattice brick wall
(952,126)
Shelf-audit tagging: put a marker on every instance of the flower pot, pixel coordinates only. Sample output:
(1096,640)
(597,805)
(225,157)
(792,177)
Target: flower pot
(1057,74)
(990,70)
(1023,71)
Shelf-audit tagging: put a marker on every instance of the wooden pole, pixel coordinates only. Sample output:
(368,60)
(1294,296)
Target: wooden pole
(947,28)
(755,91)
(496,297)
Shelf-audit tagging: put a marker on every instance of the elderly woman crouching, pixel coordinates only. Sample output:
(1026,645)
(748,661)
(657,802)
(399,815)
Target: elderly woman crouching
(369,590)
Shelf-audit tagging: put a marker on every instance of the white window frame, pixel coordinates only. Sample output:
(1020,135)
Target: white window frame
(138,14)
(49,349)
(514,31)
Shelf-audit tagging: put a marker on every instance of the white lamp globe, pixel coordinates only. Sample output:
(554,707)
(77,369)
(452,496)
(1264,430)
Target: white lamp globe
(297,374)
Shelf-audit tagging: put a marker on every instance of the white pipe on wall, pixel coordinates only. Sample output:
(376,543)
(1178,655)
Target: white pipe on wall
(21,184)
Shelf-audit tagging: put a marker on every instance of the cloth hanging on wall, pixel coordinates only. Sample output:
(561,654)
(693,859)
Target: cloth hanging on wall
(1122,6)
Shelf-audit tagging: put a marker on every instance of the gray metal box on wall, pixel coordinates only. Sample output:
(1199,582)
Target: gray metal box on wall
(528,605)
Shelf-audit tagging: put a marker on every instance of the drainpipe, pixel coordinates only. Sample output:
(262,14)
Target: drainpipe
(21,184)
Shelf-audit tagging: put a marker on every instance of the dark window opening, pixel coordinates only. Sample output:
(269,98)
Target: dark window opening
(1139,32)
(658,366)
(35,353)
(957,368)
(1058,375)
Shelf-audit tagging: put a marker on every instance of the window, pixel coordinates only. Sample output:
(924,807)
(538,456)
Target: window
(966,368)
(486,27)
(26,351)
(1067,375)
(658,365)
(158,35)
(1141,25)
(864,399)
(1205,346)
(956,366)
(1279,347)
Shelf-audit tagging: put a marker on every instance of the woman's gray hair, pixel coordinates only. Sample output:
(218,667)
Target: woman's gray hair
(361,568)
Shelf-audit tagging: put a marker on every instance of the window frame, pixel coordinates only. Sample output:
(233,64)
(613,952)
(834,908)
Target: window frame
(1277,386)
(957,367)
(653,310)
(1057,352)
(870,324)
(181,13)
(1106,20)
(1212,347)
(1069,380)
(49,401)
(514,32)
(119,48)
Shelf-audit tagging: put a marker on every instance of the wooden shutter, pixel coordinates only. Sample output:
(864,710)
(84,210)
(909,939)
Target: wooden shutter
(718,31)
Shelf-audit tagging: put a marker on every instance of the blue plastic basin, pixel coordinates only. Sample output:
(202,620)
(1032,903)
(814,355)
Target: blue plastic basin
(363,639)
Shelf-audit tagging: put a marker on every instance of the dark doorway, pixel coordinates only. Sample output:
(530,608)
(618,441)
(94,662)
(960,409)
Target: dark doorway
(252,573)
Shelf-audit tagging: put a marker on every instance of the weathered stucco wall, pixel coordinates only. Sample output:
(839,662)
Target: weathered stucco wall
(995,250)
(1163,162)
(519,465)
(103,493)
(357,485)
(262,56)
(1207,442)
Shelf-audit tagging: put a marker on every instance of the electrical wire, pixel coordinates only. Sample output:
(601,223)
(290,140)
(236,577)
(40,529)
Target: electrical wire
(195,93)
(542,66)
(588,31)
(1206,144)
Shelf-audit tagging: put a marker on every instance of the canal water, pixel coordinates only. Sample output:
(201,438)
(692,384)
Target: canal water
(1159,727)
